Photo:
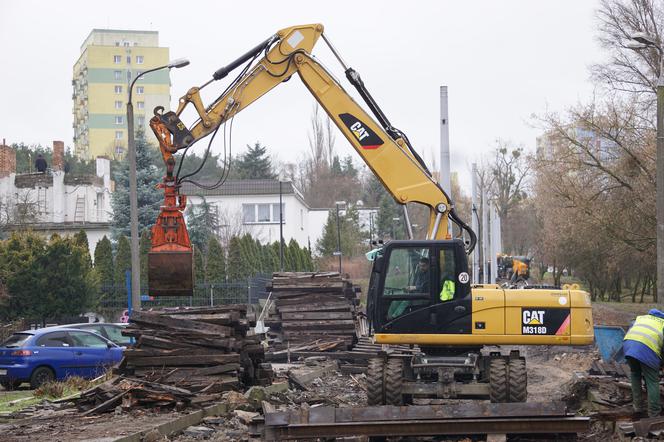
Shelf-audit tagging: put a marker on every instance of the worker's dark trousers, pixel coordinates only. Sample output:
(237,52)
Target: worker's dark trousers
(651,376)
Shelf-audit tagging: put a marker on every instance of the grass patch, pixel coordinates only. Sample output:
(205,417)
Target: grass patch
(9,402)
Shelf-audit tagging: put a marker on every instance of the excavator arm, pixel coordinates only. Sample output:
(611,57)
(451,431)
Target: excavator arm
(385,149)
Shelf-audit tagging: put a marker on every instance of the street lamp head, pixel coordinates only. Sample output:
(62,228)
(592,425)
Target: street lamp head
(340,203)
(178,63)
(644,38)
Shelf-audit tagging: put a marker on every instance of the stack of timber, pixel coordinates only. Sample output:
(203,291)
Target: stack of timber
(316,311)
(204,350)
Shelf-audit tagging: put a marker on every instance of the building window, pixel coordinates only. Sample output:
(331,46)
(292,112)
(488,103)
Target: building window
(128,76)
(140,90)
(118,89)
(118,134)
(140,104)
(117,59)
(119,150)
(139,59)
(248,213)
(118,104)
(117,75)
(117,43)
(128,59)
(139,73)
(261,213)
(126,44)
(119,119)
(141,121)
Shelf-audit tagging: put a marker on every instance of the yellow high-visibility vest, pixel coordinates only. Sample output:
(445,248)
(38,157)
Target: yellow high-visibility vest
(647,329)
(447,292)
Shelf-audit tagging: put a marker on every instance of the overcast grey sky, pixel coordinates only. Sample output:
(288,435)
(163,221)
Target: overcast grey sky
(501,60)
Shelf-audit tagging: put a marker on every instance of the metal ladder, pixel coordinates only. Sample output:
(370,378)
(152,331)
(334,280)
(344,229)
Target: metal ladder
(79,213)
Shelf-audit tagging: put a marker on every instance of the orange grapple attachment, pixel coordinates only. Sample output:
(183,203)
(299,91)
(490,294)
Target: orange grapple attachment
(170,260)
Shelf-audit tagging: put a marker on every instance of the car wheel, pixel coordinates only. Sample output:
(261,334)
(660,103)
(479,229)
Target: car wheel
(40,376)
(10,385)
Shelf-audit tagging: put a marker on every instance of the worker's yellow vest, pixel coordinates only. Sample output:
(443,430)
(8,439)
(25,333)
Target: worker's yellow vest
(447,292)
(647,329)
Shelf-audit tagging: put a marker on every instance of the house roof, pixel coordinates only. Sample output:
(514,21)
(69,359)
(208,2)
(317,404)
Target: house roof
(242,187)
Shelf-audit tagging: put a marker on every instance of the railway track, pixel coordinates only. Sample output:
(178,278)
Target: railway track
(432,420)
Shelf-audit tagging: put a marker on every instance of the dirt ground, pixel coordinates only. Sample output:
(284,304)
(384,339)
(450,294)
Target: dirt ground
(550,375)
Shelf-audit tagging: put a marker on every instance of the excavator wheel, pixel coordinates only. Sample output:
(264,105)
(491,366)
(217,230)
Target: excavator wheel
(393,381)
(498,385)
(376,382)
(518,380)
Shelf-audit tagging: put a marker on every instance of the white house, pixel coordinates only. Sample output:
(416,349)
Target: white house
(252,206)
(56,201)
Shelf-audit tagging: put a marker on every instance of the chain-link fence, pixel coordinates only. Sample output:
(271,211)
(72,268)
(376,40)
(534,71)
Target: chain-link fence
(113,303)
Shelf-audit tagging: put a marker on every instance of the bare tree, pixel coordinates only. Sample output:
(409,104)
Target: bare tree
(509,171)
(627,70)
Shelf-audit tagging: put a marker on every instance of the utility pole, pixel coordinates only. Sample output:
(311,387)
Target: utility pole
(641,40)
(444,178)
(475,224)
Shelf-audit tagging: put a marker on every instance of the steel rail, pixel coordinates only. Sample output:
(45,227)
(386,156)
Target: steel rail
(537,425)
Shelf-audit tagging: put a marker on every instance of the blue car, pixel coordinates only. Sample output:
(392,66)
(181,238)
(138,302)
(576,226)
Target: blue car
(48,354)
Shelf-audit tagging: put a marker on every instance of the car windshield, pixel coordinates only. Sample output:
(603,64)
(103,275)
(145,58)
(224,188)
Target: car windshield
(16,340)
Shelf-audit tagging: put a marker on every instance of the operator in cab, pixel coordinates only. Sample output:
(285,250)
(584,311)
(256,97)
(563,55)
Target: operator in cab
(643,350)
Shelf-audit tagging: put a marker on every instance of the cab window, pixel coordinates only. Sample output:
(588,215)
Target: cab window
(407,282)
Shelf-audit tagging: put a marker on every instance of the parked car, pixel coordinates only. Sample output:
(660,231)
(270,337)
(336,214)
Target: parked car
(112,332)
(54,353)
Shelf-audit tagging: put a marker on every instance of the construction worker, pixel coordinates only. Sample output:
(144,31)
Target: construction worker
(643,350)
(447,291)
(446,276)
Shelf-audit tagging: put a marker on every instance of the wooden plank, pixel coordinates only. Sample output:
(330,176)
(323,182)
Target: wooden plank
(314,307)
(179,324)
(320,324)
(316,315)
(211,318)
(171,361)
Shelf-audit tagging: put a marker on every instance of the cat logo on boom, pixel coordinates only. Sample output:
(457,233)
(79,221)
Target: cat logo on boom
(367,138)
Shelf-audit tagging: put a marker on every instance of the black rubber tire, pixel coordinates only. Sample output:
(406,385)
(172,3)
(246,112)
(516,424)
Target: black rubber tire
(40,376)
(518,380)
(393,381)
(10,385)
(498,381)
(376,382)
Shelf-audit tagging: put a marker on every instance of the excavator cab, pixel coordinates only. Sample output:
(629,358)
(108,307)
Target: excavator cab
(420,287)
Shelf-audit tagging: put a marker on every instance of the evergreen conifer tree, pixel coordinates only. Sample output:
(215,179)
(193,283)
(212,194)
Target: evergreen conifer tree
(104,265)
(144,246)
(234,268)
(199,266)
(216,262)
(150,198)
(122,264)
(255,164)
(81,240)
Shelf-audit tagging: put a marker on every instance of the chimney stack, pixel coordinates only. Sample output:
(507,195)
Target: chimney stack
(7,160)
(58,156)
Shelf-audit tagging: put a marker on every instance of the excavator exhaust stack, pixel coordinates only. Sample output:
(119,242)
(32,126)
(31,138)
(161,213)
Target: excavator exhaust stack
(170,260)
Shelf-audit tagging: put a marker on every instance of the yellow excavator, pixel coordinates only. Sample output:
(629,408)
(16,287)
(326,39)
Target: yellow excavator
(420,292)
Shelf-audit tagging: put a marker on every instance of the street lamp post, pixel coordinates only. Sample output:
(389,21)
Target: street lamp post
(394,231)
(133,198)
(338,252)
(642,41)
